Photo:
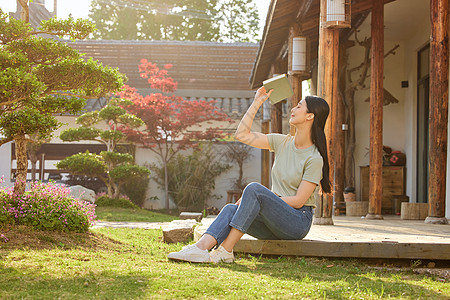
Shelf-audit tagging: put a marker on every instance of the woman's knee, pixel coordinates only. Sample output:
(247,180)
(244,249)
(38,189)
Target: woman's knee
(254,186)
(229,209)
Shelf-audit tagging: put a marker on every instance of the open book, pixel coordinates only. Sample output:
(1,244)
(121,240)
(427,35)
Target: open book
(281,88)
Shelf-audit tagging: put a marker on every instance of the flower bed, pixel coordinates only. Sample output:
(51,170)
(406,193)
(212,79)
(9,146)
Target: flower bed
(46,207)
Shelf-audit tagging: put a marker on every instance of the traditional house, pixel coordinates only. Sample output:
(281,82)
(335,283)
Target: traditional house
(395,56)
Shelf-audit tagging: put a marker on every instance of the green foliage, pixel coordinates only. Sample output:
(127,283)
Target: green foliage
(80,133)
(190,20)
(41,77)
(239,21)
(105,201)
(113,168)
(134,181)
(192,177)
(155,20)
(89,164)
(129,173)
(136,189)
(45,207)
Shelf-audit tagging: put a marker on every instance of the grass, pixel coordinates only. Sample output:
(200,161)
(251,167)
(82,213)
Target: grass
(118,214)
(131,264)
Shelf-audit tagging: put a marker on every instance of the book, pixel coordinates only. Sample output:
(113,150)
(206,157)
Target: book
(281,88)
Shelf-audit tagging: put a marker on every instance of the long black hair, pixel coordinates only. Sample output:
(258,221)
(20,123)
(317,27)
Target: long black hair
(319,107)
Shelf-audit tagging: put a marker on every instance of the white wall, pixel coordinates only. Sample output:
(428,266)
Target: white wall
(252,172)
(5,164)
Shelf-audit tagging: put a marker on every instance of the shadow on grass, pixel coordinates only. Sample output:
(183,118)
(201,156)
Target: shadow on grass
(24,237)
(342,278)
(104,286)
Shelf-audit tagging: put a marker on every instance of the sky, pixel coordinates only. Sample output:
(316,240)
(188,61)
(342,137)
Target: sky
(80,8)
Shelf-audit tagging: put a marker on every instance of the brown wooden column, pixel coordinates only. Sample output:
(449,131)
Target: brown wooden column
(276,117)
(327,77)
(295,79)
(265,157)
(376,112)
(296,83)
(339,142)
(439,64)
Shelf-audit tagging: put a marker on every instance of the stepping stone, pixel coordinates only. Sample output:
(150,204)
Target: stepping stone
(191,215)
(179,231)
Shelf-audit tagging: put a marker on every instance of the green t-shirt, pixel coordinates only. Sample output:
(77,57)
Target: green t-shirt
(293,165)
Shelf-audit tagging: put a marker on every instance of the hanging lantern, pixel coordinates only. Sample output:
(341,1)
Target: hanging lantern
(337,14)
(298,56)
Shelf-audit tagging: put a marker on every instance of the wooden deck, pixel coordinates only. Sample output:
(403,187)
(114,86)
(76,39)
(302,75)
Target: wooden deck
(391,238)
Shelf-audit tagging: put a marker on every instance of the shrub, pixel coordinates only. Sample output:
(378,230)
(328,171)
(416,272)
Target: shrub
(192,178)
(46,207)
(123,202)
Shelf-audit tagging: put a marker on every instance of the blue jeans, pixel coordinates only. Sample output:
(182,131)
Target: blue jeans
(264,215)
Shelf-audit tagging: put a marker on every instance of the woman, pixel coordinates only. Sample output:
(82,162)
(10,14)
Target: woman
(286,211)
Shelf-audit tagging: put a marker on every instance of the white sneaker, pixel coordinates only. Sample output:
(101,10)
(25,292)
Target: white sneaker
(221,255)
(190,253)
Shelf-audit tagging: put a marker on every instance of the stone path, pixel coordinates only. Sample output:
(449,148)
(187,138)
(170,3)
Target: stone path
(143,225)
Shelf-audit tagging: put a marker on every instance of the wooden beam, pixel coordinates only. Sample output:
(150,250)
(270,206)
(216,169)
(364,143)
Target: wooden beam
(327,77)
(345,249)
(439,63)
(376,111)
(361,6)
(303,10)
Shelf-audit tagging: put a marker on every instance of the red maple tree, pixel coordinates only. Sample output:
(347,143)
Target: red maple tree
(172,123)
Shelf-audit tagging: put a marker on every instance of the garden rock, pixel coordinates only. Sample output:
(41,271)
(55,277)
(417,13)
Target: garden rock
(191,215)
(179,231)
(82,193)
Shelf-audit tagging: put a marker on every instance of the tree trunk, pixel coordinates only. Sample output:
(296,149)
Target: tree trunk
(32,155)
(22,165)
(25,14)
(166,186)
(351,139)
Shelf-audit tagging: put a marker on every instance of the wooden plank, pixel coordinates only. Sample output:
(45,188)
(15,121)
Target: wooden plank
(346,249)
(439,64)
(376,111)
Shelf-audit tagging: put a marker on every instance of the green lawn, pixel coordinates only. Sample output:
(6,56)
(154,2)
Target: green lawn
(119,214)
(132,264)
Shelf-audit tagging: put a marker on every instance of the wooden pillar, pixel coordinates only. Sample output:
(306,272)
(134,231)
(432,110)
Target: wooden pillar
(439,64)
(376,112)
(265,157)
(327,77)
(276,116)
(296,83)
(295,79)
(339,141)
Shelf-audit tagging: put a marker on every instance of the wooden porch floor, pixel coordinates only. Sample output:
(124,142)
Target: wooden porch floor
(391,238)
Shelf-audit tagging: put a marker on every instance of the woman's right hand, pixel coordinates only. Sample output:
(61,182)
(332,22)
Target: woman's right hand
(261,96)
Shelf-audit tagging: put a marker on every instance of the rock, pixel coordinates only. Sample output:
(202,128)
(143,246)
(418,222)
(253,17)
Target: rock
(191,215)
(81,193)
(179,231)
